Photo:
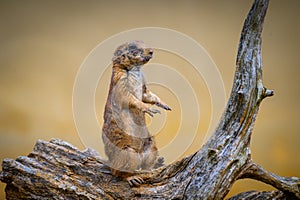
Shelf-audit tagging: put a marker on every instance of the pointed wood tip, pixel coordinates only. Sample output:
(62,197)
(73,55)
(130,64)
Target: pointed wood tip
(268,93)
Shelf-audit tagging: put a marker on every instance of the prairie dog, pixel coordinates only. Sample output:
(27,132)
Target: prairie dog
(127,141)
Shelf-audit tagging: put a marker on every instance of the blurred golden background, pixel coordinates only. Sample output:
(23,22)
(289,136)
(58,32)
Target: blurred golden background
(43,44)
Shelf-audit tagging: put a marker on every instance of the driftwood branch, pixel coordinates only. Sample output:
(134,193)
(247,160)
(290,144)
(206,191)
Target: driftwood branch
(58,170)
(286,184)
(254,195)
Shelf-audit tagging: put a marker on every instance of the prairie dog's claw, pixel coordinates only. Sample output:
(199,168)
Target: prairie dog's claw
(166,107)
(135,181)
(155,111)
(152,111)
(163,105)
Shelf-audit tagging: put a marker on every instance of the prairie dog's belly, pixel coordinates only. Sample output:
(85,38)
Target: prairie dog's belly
(133,127)
(129,119)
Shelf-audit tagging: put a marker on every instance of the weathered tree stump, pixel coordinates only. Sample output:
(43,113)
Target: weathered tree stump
(58,170)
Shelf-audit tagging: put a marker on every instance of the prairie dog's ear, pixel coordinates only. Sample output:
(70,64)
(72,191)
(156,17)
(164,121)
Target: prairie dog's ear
(116,59)
(121,50)
(118,52)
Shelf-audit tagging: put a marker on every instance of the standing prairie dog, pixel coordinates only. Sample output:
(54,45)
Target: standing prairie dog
(127,141)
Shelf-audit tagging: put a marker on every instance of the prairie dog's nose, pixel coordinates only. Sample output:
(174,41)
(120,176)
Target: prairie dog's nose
(151,51)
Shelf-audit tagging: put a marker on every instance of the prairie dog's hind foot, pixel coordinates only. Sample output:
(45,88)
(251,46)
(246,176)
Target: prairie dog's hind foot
(135,180)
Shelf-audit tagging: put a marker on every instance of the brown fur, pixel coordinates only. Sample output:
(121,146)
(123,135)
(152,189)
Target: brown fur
(128,144)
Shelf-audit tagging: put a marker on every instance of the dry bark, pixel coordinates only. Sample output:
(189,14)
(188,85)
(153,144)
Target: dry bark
(58,170)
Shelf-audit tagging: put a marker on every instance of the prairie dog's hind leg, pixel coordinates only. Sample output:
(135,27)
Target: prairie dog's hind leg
(150,154)
(125,160)
(124,164)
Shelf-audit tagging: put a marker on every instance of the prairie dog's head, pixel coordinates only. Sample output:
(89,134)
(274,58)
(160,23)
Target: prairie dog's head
(131,54)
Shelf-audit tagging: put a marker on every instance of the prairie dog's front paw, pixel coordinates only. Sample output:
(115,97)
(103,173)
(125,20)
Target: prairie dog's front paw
(152,111)
(163,105)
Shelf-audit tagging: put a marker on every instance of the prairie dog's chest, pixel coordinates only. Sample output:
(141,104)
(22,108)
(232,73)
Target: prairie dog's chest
(135,83)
